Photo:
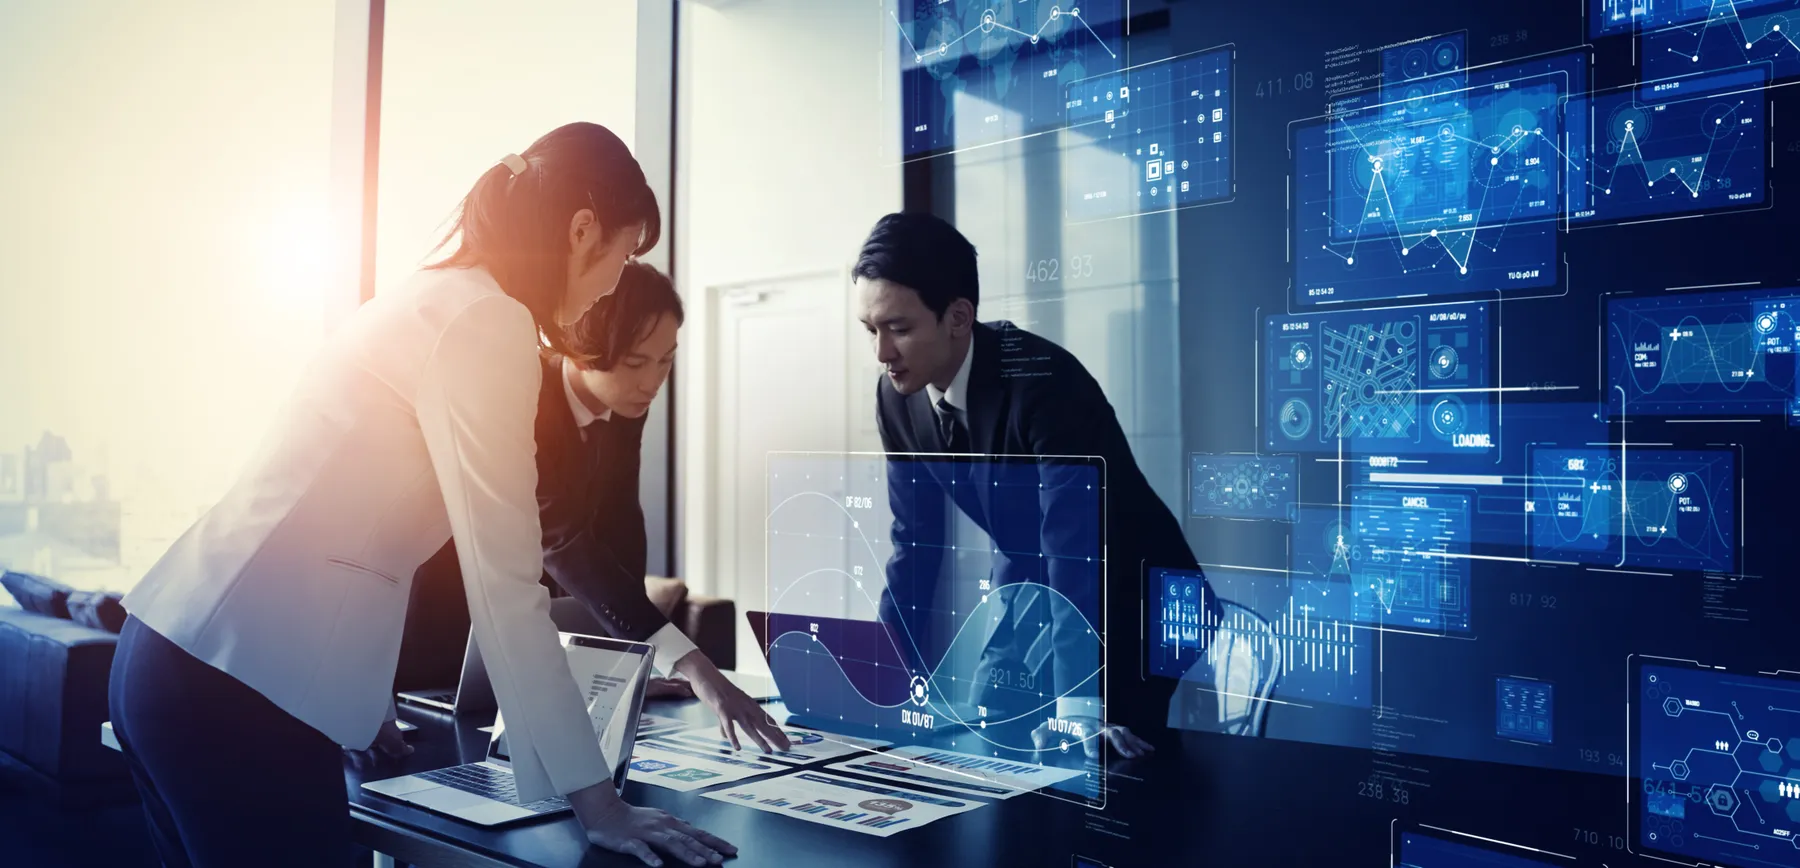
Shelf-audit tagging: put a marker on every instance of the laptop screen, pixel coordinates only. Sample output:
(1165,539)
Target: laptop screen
(612,675)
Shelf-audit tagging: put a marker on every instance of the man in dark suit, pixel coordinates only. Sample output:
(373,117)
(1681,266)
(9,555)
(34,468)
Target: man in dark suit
(954,385)
(590,430)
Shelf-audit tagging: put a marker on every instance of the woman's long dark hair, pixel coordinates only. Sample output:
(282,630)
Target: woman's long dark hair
(517,226)
(607,332)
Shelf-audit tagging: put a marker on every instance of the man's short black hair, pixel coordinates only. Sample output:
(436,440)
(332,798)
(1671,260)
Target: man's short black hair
(609,329)
(922,252)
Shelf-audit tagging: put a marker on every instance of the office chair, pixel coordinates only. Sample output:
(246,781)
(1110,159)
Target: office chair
(1228,688)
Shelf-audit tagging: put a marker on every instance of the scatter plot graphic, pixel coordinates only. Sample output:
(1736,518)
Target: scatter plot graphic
(1153,137)
(1717,764)
(1744,33)
(1702,354)
(1648,508)
(1455,187)
(1410,379)
(974,73)
(1676,146)
(1242,486)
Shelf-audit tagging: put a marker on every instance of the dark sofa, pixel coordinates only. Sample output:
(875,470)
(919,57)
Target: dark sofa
(53,680)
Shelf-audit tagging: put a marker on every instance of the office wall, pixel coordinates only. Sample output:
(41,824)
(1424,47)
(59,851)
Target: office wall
(786,120)
(465,82)
(163,261)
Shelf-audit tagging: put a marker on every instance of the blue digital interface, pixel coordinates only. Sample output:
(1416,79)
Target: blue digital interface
(1439,192)
(1403,379)
(1419,69)
(1301,628)
(913,597)
(1745,33)
(1413,569)
(1677,146)
(1242,486)
(1606,17)
(1425,851)
(1702,354)
(1649,508)
(1161,137)
(1324,544)
(1718,765)
(1525,709)
(973,73)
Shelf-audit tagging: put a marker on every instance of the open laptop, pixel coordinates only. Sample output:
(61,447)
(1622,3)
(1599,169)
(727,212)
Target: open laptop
(473,693)
(612,673)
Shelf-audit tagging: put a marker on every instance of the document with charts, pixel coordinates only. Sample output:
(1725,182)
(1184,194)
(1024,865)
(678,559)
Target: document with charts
(804,745)
(684,768)
(985,776)
(826,799)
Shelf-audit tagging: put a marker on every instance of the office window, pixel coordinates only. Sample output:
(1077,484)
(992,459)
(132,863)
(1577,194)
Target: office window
(163,257)
(464,83)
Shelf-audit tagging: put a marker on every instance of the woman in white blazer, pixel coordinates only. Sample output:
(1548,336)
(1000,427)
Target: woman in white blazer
(267,636)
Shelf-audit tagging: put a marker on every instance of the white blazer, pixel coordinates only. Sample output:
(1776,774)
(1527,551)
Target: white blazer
(413,425)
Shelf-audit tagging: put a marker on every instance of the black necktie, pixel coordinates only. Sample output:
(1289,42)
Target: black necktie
(950,428)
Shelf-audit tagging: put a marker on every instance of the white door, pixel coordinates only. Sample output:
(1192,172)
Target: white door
(782,384)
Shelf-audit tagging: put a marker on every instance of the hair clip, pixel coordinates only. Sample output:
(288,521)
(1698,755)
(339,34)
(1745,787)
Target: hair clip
(516,163)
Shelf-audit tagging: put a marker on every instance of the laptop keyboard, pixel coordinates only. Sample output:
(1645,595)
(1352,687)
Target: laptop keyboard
(490,783)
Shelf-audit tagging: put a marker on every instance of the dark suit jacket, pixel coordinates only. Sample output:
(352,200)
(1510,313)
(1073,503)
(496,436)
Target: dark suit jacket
(1028,396)
(593,524)
(594,545)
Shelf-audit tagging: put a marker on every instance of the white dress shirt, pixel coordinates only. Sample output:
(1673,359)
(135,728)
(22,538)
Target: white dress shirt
(671,644)
(957,396)
(414,425)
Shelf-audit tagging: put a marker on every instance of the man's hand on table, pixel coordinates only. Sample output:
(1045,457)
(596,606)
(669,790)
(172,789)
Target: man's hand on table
(734,708)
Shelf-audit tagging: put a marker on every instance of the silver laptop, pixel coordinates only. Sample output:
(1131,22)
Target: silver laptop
(473,693)
(612,673)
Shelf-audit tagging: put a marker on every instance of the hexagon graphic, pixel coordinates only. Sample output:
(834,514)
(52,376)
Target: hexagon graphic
(1722,799)
(1672,707)
(1793,810)
(1678,770)
(1770,791)
(1771,762)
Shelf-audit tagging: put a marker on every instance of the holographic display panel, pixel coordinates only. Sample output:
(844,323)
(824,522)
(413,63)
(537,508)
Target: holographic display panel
(1403,379)
(1717,764)
(1242,486)
(1419,850)
(1646,508)
(974,73)
(919,599)
(1151,138)
(1677,146)
(1702,354)
(1441,192)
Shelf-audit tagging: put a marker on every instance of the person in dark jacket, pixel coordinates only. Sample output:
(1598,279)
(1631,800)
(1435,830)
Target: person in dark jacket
(955,385)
